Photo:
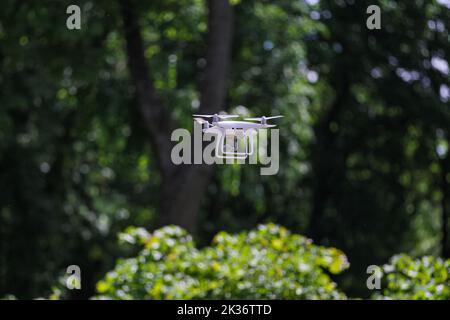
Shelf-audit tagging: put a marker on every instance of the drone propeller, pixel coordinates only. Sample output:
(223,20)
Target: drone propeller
(219,116)
(263,118)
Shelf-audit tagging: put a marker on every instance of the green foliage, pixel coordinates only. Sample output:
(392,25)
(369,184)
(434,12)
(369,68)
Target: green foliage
(266,263)
(418,279)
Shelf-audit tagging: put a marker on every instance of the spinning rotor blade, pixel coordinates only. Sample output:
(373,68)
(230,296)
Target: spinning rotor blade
(226,116)
(262,118)
(221,116)
(274,117)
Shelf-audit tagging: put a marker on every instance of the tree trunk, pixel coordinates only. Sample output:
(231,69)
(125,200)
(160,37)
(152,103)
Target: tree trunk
(183,186)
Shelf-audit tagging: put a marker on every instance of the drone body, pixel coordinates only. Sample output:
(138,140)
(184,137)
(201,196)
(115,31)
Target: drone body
(235,129)
(242,125)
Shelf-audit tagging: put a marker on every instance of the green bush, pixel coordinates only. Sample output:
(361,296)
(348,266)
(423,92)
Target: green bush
(266,263)
(407,278)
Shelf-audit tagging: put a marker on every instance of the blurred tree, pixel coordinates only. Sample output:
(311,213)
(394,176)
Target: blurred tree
(63,193)
(374,159)
(182,187)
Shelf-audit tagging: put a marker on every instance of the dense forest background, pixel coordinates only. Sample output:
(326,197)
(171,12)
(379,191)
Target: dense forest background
(86,117)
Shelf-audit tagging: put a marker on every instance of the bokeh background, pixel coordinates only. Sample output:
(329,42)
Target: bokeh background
(86,117)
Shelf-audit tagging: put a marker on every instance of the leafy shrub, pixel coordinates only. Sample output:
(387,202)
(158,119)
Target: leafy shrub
(266,263)
(408,278)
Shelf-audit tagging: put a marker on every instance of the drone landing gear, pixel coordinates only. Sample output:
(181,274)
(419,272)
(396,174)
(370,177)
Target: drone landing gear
(235,136)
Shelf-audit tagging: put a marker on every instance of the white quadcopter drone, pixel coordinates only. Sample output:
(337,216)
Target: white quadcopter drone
(234,129)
